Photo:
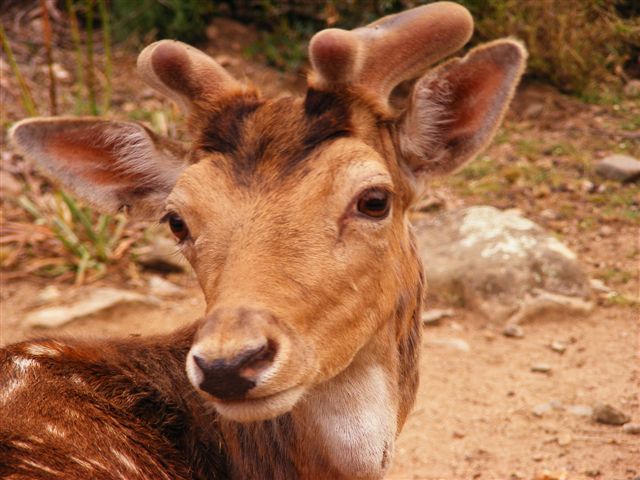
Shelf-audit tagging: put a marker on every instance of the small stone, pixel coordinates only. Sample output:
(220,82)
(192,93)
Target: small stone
(163,288)
(537,457)
(622,168)
(513,330)
(533,111)
(541,368)
(433,316)
(558,346)
(631,428)
(592,473)
(457,434)
(608,415)
(580,410)
(599,286)
(588,186)
(564,439)
(542,408)
(606,231)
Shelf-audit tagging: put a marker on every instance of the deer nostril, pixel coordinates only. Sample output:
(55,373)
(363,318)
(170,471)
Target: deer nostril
(232,378)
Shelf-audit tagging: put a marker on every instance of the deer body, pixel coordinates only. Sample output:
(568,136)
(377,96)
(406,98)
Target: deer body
(293,214)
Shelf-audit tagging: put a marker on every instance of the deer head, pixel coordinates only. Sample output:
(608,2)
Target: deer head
(293,211)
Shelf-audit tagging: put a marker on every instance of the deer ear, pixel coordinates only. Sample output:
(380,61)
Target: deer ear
(456,108)
(112,165)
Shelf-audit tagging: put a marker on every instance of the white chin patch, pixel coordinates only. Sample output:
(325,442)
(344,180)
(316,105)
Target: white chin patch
(258,409)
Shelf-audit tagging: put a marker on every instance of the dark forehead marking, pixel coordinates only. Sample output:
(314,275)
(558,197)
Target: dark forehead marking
(275,137)
(223,127)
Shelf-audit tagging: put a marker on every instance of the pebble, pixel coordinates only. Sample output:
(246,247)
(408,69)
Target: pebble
(622,168)
(608,415)
(513,330)
(541,368)
(558,346)
(592,473)
(542,408)
(537,457)
(580,410)
(433,316)
(564,439)
(631,428)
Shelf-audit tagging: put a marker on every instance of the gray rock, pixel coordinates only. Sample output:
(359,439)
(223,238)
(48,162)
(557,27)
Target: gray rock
(501,264)
(631,428)
(434,315)
(608,415)
(622,168)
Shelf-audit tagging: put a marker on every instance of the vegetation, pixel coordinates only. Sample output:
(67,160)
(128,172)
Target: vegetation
(574,45)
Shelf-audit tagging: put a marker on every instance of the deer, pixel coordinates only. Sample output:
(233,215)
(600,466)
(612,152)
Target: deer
(293,212)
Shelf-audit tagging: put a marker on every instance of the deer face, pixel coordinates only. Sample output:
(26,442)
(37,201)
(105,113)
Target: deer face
(292,211)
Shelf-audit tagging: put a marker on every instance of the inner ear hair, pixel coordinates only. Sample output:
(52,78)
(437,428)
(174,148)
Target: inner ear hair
(457,107)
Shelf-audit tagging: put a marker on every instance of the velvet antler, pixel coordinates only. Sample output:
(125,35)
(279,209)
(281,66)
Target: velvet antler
(389,51)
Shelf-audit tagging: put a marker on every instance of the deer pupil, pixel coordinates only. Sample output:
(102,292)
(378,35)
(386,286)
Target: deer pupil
(374,203)
(178,227)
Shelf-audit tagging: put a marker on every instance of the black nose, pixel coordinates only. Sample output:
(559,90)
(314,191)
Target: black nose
(232,378)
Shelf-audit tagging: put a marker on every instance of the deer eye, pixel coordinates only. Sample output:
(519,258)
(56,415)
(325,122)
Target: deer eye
(374,203)
(177,225)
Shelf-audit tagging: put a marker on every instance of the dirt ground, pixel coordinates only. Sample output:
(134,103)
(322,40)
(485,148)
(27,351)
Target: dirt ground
(474,416)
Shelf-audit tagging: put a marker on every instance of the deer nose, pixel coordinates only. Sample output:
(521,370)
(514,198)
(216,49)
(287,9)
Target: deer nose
(231,378)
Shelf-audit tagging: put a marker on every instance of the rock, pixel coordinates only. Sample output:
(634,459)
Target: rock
(599,286)
(537,457)
(608,415)
(541,368)
(622,168)
(631,428)
(542,408)
(564,439)
(558,347)
(513,331)
(162,256)
(592,473)
(533,110)
(92,301)
(580,410)
(455,343)
(501,264)
(433,316)
(632,88)
(163,288)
